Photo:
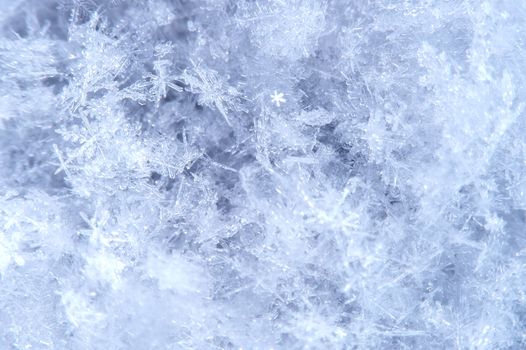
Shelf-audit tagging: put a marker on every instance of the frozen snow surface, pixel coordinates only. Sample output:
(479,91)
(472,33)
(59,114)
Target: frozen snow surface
(262,174)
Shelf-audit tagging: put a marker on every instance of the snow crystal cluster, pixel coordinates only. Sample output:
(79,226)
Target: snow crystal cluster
(262,174)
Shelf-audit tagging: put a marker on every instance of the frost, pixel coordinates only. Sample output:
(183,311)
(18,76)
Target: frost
(270,174)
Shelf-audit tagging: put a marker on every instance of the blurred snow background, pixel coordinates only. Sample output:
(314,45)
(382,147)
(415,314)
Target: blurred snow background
(252,174)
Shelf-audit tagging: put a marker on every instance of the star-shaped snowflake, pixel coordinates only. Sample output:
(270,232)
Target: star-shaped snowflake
(278,99)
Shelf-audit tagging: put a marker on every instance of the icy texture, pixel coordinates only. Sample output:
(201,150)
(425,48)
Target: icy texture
(252,174)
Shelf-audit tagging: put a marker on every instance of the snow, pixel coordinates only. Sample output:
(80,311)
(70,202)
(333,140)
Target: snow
(269,174)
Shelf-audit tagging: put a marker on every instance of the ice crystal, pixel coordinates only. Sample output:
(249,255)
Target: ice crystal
(262,174)
(278,99)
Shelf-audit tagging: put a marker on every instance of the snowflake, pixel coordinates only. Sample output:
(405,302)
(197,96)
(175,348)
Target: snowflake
(213,89)
(278,99)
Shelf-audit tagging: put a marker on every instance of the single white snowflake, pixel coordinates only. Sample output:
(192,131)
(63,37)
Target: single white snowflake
(278,99)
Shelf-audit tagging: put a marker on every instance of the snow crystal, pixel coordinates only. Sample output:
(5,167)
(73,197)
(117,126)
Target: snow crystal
(262,174)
